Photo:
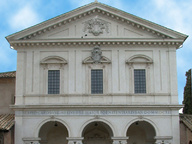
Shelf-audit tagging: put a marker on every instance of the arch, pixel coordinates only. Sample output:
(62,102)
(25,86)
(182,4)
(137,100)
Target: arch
(53,60)
(139,59)
(37,130)
(97,120)
(53,131)
(97,131)
(141,131)
(138,119)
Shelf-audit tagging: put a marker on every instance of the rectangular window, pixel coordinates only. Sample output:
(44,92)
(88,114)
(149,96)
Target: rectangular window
(140,81)
(53,81)
(97,81)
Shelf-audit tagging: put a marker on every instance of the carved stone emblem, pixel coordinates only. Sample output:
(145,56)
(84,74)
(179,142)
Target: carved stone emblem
(96,57)
(96,54)
(96,26)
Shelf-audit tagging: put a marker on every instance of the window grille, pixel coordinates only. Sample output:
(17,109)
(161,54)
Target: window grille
(53,82)
(140,81)
(97,81)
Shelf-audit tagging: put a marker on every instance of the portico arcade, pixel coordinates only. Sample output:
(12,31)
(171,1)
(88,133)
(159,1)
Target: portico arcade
(55,131)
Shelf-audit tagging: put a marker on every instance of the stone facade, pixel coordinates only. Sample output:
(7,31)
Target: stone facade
(74,46)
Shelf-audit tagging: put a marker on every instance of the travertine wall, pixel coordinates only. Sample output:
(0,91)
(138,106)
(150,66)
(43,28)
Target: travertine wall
(161,76)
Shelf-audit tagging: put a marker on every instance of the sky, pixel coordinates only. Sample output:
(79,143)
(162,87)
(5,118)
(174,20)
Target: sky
(16,15)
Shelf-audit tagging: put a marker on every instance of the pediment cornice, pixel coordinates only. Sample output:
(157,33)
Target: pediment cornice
(98,9)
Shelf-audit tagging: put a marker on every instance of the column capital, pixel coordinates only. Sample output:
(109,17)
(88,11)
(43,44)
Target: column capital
(163,139)
(31,140)
(120,140)
(75,140)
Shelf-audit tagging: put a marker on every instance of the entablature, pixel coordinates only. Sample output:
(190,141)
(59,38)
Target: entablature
(77,42)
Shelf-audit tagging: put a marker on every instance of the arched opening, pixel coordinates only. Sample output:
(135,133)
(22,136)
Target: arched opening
(97,133)
(141,132)
(190,142)
(53,132)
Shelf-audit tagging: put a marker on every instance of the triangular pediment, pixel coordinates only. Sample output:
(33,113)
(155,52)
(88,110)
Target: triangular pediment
(95,20)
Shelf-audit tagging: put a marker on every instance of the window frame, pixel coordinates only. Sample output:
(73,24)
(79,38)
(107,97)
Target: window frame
(53,63)
(87,77)
(139,61)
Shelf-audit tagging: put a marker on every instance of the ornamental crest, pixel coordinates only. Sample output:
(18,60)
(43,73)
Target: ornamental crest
(96,54)
(96,26)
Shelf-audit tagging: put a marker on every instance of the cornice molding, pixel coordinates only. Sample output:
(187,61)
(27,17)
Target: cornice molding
(92,95)
(32,107)
(98,11)
(76,42)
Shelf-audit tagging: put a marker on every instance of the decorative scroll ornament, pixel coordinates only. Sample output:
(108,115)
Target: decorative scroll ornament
(96,57)
(96,26)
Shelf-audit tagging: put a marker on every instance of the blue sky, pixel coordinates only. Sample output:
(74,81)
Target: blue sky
(17,15)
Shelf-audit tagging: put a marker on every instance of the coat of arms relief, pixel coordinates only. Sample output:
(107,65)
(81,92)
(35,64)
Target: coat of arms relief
(96,54)
(96,57)
(96,26)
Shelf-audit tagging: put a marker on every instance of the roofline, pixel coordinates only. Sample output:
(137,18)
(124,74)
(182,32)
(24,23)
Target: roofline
(118,12)
(7,72)
(46,21)
(2,73)
(145,20)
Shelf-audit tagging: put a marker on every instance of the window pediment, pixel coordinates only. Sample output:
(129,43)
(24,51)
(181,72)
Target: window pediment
(53,60)
(139,59)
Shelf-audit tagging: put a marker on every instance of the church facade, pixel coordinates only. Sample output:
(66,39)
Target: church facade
(96,75)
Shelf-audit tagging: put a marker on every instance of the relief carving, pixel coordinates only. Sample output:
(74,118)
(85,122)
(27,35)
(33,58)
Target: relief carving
(96,54)
(96,26)
(96,57)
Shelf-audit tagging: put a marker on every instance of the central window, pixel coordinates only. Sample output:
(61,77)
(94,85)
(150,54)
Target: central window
(97,81)
(53,81)
(140,80)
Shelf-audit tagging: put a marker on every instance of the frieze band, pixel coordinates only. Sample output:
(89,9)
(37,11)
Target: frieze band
(96,112)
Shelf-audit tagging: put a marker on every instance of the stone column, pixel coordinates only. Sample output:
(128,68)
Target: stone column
(75,140)
(31,140)
(120,140)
